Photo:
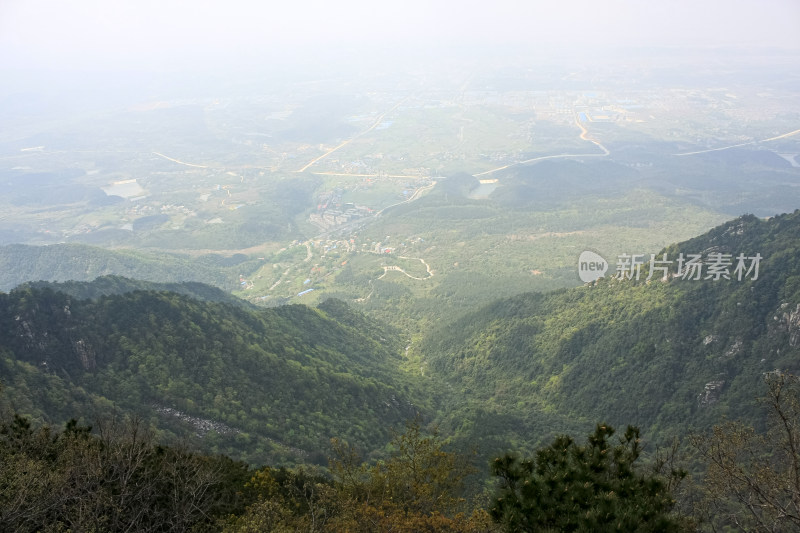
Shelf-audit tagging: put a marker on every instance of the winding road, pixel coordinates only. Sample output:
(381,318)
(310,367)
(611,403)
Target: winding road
(395,268)
(583,136)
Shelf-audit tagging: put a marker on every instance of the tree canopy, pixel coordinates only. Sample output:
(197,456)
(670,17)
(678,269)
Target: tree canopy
(592,487)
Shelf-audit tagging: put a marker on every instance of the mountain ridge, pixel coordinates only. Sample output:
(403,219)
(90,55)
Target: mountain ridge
(670,356)
(291,375)
(667,356)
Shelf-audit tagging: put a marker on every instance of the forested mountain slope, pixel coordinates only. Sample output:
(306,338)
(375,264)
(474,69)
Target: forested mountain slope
(110,285)
(20,263)
(266,385)
(275,384)
(664,355)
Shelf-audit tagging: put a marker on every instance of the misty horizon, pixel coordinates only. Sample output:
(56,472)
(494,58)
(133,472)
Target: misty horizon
(192,36)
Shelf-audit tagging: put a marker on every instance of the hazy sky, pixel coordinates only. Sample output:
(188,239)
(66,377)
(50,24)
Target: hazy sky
(83,34)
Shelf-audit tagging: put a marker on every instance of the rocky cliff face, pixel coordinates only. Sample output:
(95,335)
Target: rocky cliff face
(791,320)
(786,323)
(85,354)
(48,334)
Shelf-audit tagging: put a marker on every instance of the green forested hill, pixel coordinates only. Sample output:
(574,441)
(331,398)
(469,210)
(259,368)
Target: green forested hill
(20,263)
(266,385)
(665,355)
(276,384)
(108,285)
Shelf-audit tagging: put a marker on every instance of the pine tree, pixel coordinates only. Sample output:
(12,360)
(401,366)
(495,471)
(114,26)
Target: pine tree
(594,487)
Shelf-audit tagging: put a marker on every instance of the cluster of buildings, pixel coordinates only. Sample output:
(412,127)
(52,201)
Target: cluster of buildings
(331,212)
(330,218)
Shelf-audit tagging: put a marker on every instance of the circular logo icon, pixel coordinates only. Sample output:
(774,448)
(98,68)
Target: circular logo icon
(591,266)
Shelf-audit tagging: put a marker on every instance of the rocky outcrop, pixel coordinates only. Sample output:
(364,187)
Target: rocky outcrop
(709,339)
(85,354)
(787,319)
(792,321)
(711,393)
(201,425)
(734,349)
(25,330)
(48,332)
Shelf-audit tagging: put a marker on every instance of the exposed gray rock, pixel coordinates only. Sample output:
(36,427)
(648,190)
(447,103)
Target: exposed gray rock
(85,354)
(734,349)
(788,320)
(711,393)
(201,425)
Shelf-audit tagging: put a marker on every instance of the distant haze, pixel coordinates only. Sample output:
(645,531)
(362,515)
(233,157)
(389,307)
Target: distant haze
(203,34)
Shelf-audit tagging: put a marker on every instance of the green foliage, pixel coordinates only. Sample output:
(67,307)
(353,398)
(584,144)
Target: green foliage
(416,489)
(485,250)
(264,385)
(272,385)
(665,356)
(419,476)
(108,285)
(287,500)
(62,262)
(593,488)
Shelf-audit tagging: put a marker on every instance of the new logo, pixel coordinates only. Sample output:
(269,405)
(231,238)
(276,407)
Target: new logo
(591,266)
